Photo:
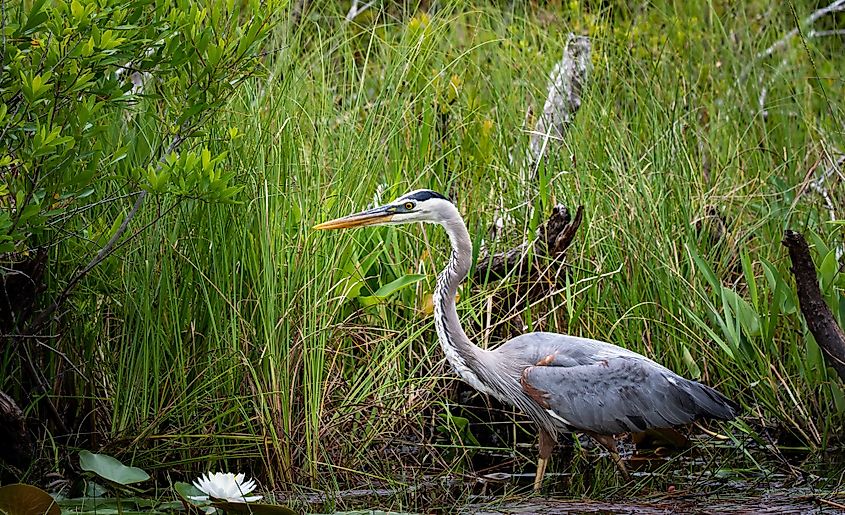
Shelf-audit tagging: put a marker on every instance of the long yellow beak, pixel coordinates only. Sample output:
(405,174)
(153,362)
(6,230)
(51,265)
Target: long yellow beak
(372,217)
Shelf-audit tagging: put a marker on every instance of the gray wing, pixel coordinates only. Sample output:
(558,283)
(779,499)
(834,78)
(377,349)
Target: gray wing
(596,386)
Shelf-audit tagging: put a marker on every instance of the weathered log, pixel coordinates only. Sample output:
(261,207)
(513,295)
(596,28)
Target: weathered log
(567,81)
(554,236)
(820,320)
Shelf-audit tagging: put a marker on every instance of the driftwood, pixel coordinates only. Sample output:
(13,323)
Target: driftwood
(554,236)
(820,321)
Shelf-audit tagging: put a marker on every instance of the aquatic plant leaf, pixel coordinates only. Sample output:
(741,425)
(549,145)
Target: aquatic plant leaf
(21,499)
(692,366)
(391,288)
(828,270)
(398,284)
(745,314)
(187,490)
(111,469)
(252,508)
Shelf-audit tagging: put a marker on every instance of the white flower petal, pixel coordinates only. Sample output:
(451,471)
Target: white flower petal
(227,486)
(198,497)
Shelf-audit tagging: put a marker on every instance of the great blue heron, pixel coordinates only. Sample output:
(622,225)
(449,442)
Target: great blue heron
(563,383)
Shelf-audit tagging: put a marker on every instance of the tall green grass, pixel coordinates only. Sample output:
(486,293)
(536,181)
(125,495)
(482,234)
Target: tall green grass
(233,334)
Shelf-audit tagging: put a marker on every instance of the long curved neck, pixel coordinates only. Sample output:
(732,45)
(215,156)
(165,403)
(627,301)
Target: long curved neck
(463,355)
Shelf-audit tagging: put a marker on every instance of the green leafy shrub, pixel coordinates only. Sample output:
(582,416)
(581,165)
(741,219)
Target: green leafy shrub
(103,106)
(97,102)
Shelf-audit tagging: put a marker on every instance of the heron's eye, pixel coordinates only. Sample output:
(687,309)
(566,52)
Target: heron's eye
(409,205)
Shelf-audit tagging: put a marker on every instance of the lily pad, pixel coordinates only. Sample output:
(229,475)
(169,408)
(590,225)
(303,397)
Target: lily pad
(252,508)
(20,499)
(187,490)
(111,469)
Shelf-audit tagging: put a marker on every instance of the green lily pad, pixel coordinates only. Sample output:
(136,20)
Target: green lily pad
(252,508)
(187,490)
(20,499)
(109,468)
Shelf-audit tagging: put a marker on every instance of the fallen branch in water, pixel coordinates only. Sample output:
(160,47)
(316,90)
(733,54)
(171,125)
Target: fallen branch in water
(820,320)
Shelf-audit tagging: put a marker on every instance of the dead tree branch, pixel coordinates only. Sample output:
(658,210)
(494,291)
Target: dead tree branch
(566,83)
(820,320)
(553,238)
(838,5)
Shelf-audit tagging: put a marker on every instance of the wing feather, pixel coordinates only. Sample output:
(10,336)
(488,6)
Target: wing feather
(619,394)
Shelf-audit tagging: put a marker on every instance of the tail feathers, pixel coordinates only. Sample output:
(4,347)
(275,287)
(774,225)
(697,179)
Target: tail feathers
(710,403)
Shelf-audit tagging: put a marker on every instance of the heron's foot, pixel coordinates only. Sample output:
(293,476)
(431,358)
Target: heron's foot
(541,470)
(620,464)
(609,443)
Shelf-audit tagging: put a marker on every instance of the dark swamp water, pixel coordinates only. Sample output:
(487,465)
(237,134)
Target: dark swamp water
(710,477)
(710,474)
(797,486)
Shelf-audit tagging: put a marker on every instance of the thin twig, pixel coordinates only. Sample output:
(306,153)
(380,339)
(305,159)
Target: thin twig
(823,33)
(75,211)
(354,10)
(833,504)
(104,252)
(44,316)
(838,5)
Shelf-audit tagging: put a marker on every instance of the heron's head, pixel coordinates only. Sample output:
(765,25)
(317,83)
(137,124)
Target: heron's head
(416,206)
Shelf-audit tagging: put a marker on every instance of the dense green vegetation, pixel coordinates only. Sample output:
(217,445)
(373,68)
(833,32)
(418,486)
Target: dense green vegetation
(230,334)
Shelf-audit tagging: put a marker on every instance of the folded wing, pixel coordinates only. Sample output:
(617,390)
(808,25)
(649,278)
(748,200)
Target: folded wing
(621,394)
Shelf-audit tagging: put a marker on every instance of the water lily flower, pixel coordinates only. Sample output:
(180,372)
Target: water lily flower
(226,487)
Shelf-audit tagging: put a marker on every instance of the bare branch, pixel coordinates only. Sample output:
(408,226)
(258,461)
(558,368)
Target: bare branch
(817,314)
(838,5)
(566,82)
(103,253)
(354,10)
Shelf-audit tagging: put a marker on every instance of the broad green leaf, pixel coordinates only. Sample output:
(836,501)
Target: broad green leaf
(187,490)
(36,17)
(705,269)
(388,289)
(710,332)
(692,366)
(21,499)
(828,270)
(111,469)
(745,314)
(397,284)
(784,297)
(750,280)
(819,244)
(838,397)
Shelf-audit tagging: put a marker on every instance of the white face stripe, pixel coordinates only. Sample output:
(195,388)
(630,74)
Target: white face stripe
(431,209)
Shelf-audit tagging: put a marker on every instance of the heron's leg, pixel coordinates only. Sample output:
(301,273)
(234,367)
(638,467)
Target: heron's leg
(609,443)
(547,443)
